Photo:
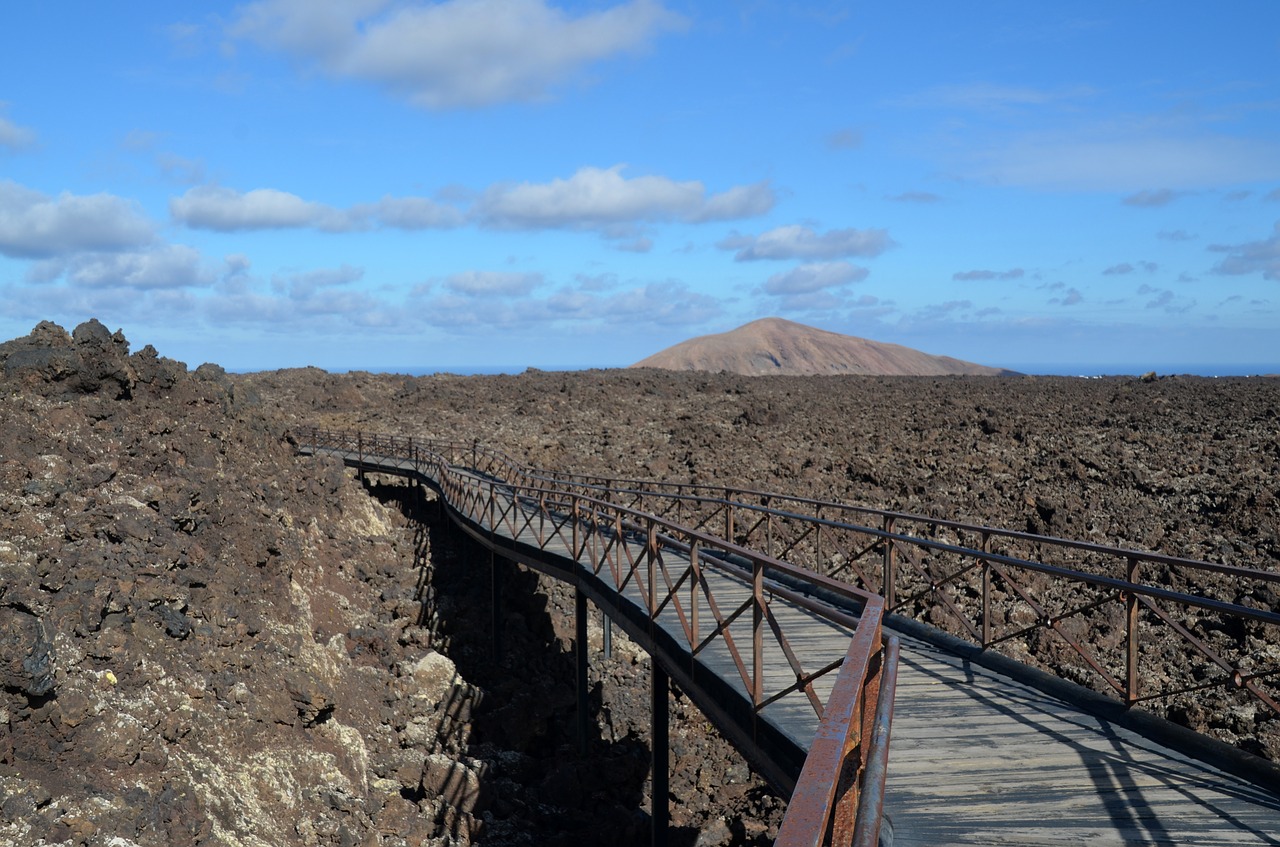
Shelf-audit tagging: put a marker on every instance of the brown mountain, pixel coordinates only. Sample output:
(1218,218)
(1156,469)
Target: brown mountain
(782,347)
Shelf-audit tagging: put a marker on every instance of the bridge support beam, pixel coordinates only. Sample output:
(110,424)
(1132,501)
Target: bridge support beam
(495,605)
(580,649)
(659,738)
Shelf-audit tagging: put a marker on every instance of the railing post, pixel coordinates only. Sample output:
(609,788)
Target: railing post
(986,591)
(575,511)
(1132,681)
(580,643)
(890,576)
(757,633)
(695,566)
(652,549)
(658,733)
(728,522)
(819,566)
(360,455)
(768,527)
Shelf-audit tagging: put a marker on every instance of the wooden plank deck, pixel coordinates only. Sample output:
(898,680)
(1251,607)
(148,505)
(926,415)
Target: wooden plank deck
(979,758)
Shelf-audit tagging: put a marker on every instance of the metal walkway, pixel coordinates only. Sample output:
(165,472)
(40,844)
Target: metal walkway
(977,757)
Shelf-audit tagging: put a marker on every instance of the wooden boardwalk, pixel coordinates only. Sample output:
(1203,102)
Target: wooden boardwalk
(976,757)
(979,758)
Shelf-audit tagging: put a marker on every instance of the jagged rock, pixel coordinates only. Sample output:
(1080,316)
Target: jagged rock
(27,657)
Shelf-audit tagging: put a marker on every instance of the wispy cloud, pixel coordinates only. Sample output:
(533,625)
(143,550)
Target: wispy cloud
(492,283)
(1071,298)
(306,283)
(408,213)
(13,136)
(845,139)
(815,277)
(1251,257)
(456,53)
(802,242)
(982,276)
(1109,160)
(987,96)
(1153,198)
(914,197)
(1127,268)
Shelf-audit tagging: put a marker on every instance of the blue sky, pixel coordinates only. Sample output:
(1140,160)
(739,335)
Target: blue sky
(471,183)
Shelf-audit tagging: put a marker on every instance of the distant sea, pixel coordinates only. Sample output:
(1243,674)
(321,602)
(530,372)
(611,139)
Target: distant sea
(1129,369)
(1041,368)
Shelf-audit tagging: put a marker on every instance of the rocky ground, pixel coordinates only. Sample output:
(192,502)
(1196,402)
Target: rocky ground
(205,639)
(1185,466)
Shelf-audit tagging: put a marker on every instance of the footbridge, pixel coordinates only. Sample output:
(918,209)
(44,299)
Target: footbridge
(1013,671)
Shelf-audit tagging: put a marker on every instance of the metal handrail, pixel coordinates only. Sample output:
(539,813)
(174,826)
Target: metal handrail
(985,584)
(963,592)
(602,532)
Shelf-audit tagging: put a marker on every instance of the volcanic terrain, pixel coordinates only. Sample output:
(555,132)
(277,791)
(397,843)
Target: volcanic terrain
(209,640)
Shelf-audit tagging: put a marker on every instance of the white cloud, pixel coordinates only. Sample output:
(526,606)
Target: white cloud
(603,199)
(814,277)
(801,242)
(170,266)
(741,201)
(15,137)
(34,225)
(410,213)
(228,210)
(1252,257)
(457,52)
(492,283)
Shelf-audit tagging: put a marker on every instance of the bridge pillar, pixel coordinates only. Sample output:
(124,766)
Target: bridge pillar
(495,605)
(580,649)
(658,731)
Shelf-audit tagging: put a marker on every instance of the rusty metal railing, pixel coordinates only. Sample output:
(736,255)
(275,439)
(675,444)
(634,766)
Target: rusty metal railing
(1142,626)
(838,796)
(1111,610)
